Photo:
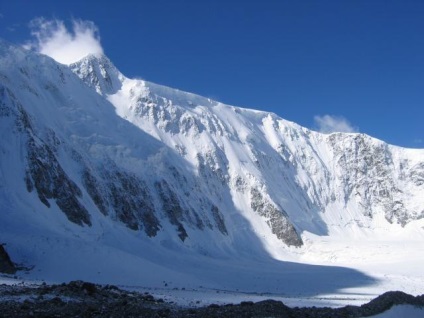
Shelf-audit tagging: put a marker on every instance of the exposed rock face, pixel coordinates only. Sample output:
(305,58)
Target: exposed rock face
(99,73)
(368,174)
(277,220)
(172,208)
(6,265)
(46,176)
(125,196)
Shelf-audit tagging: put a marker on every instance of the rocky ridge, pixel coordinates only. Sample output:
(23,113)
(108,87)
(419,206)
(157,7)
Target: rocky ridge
(83,299)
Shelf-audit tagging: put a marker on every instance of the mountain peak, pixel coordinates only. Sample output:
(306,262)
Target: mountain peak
(98,72)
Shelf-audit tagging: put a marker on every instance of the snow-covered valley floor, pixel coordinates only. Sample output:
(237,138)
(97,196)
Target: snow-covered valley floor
(329,273)
(333,270)
(325,284)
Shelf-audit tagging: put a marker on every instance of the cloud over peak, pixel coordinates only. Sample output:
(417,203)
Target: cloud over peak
(329,124)
(52,37)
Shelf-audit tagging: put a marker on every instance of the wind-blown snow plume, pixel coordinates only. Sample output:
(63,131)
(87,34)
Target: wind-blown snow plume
(51,37)
(327,124)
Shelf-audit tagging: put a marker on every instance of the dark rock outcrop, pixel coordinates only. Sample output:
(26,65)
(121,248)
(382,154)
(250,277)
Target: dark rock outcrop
(6,264)
(277,219)
(172,207)
(46,175)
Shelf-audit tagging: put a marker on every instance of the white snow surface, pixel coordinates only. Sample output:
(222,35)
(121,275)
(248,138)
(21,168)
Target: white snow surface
(402,311)
(356,202)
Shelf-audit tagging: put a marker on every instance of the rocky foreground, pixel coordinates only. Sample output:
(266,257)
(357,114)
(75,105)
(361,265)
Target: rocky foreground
(82,299)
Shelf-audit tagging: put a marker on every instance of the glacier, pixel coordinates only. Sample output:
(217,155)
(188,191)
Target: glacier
(112,179)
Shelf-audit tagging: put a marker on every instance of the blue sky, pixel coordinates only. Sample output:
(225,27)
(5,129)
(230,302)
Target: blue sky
(329,65)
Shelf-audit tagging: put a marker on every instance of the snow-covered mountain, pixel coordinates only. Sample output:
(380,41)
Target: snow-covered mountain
(90,154)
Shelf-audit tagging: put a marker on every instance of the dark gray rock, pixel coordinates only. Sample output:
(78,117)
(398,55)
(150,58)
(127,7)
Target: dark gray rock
(172,207)
(47,177)
(6,264)
(276,218)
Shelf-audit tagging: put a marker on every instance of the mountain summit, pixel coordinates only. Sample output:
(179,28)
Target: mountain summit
(88,155)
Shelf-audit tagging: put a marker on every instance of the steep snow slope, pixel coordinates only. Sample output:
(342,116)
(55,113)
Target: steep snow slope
(114,179)
(321,182)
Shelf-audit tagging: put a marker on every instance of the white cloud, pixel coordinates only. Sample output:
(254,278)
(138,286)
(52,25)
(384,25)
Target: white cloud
(328,124)
(51,37)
